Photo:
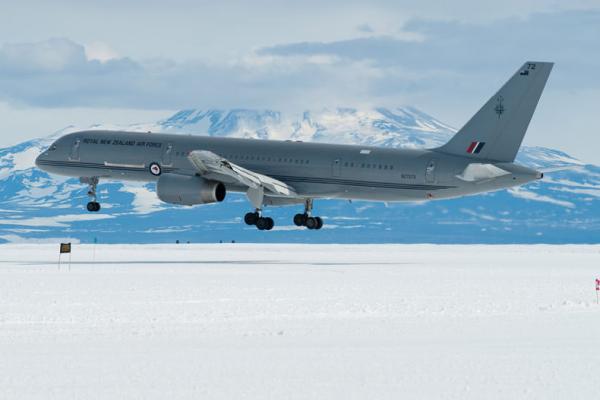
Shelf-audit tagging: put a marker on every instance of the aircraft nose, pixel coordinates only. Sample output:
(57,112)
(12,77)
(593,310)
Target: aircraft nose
(38,160)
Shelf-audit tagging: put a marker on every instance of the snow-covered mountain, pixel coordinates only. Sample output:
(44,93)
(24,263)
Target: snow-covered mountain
(561,208)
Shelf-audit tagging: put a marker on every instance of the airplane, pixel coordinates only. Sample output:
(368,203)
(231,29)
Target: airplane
(191,170)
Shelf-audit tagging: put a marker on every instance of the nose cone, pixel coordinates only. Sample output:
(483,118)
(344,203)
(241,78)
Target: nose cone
(39,161)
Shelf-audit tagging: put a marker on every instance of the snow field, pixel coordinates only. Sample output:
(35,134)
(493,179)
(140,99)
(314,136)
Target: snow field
(249,321)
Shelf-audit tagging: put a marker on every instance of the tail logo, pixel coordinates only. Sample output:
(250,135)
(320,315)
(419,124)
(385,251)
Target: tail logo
(499,106)
(475,147)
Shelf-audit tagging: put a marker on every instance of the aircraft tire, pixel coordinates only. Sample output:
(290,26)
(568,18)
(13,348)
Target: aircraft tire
(262,223)
(251,218)
(319,222)
(300,219)
(270,223)
(311,223)
(93,206)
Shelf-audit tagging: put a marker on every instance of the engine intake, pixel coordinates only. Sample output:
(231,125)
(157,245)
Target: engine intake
(189,190)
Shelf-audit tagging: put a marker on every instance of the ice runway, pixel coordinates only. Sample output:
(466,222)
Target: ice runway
(240,321)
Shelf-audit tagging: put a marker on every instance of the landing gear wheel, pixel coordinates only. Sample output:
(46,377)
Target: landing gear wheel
(305,219)
(251,218)
(93,206)
(311,223)
(300,219)
(270,223)
(265,224)
(319,222)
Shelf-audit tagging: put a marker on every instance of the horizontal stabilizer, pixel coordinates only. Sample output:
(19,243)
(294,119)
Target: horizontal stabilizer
(550,170)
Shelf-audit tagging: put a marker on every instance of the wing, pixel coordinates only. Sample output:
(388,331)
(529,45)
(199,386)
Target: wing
(213,166)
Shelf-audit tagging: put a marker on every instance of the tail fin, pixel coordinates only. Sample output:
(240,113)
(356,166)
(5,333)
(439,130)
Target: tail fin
(498,128)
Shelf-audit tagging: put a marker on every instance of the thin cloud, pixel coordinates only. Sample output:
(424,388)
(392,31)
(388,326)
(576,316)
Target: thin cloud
(568,37)
(374,69)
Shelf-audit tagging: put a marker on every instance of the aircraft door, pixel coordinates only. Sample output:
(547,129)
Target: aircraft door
(74,155)
(430,172)
(167,157)
(336,167)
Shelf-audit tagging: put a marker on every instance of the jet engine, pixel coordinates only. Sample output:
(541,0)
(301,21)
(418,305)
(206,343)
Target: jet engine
(189,190)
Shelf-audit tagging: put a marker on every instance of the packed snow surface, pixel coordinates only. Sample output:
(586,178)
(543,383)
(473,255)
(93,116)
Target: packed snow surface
(247,321)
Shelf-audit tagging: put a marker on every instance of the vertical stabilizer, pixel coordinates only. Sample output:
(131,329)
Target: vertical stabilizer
(496,131)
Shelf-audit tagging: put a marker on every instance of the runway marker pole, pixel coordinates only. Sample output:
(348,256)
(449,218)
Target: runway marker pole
(64,248)
(94,257)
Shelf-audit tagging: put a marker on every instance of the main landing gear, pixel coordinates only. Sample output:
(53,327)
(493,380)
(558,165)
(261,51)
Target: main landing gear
(262,223)
(93,205)
(266,223)
(306,219)
(309,222)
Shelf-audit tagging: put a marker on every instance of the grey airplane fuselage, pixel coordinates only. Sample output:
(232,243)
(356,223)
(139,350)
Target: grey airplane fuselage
(314,170)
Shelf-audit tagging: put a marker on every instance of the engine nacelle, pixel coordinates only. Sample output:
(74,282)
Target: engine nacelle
(189,190)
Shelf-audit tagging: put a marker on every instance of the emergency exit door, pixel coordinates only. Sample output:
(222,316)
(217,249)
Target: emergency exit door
(74,155)
(167,157)
(430,172)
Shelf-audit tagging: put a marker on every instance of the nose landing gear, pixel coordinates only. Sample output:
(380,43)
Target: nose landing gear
(93,205)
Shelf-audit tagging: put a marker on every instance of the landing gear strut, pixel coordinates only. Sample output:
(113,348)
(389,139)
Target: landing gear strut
(306,219)
(262,223)
(93,205)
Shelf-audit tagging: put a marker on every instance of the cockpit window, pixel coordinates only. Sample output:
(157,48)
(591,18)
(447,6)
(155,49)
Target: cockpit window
(52,148)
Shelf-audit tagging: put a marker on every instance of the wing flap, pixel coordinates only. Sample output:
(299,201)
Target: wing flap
(213,166)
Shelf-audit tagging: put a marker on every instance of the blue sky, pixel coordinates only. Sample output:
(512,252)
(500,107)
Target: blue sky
(66,62)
